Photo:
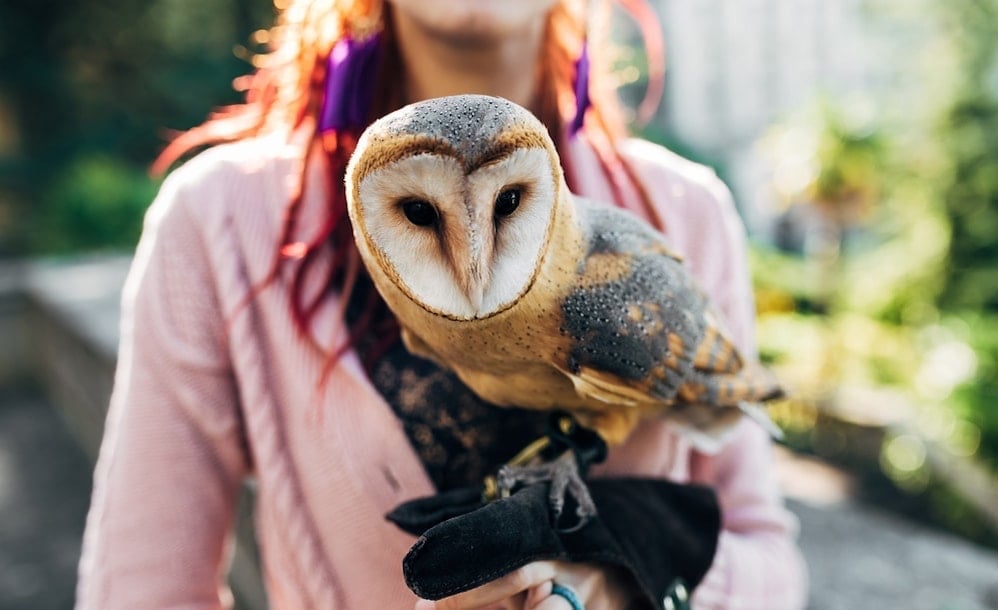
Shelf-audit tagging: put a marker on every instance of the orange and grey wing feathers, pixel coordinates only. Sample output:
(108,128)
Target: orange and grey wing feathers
(643,334)
(721,377)
(633,316)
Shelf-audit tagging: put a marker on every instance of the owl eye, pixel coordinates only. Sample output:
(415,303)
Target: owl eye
(419,212)
(507,202)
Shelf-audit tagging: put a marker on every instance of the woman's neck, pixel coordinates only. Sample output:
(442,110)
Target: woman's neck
(435,65)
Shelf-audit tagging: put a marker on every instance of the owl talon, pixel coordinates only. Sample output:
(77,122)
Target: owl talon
(565,480)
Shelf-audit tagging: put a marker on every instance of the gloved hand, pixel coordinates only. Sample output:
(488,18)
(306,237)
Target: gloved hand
(659,532)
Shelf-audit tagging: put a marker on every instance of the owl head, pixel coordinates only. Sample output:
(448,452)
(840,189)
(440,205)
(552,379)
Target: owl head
(452,201)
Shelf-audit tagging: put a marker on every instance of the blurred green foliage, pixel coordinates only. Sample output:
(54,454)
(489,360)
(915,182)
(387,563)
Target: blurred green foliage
(968,129)
(95,202)
(888,313)
(850,165)
(93,86)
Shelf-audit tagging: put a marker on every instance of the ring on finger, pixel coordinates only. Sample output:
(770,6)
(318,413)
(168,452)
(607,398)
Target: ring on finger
(568,594)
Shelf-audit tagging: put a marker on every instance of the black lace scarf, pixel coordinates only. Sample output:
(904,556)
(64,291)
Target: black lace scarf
(459,437)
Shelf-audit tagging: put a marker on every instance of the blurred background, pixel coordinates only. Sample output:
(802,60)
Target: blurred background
(860,139)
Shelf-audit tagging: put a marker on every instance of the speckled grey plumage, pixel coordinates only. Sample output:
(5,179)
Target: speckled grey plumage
(604,336)
(468,123)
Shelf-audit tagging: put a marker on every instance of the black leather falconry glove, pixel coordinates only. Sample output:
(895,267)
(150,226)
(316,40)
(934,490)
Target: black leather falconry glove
(663,534)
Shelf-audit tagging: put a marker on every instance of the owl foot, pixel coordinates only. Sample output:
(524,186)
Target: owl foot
(566,482)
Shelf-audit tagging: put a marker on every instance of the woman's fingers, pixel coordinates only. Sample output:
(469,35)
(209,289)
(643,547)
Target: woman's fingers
(540,598)
(552,602)
(517,582)
(537,594)
(529,588)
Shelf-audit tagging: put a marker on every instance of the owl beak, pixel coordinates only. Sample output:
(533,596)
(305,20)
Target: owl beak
(473,253)
(476,298)
(475,287)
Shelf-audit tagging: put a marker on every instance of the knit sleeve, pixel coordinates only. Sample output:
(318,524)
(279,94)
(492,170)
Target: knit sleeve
(758,565)
(173,455)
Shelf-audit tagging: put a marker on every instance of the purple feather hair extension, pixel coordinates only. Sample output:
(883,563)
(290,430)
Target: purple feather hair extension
(350,83)
(582,100)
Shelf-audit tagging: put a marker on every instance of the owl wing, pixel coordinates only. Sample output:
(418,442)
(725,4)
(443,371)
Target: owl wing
(633,315)
(643,337)
(642,332)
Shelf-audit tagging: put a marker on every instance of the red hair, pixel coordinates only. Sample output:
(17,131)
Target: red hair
(286,91)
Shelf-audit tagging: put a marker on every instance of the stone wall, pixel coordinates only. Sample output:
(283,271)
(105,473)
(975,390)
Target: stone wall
(59,323)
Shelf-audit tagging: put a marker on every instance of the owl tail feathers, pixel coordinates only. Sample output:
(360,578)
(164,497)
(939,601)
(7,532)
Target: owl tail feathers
(756,413)
(760,385)
(709,428)
(752,383)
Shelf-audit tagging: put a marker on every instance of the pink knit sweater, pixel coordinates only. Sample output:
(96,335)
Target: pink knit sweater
(210,390)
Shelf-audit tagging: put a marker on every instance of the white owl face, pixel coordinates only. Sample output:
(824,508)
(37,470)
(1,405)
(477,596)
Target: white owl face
(462,244)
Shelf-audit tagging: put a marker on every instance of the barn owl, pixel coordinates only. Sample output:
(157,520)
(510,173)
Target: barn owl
(533,296)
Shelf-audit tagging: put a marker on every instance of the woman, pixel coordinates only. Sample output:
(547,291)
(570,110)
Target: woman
(253,344)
